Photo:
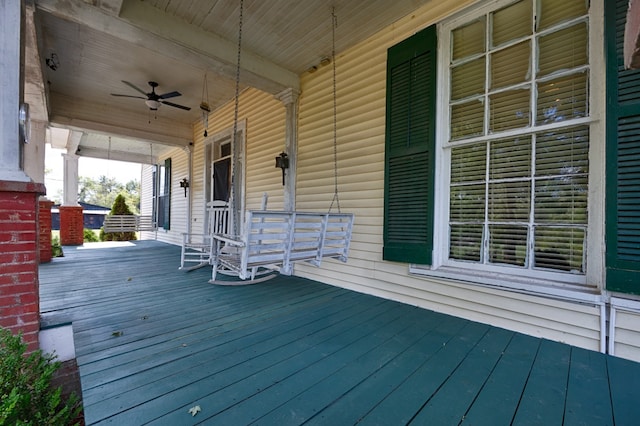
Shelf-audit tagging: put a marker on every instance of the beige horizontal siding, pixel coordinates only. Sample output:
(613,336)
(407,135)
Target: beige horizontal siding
(361,92)
(627,335)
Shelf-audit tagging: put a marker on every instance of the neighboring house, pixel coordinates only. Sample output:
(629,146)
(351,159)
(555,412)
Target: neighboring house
(489,151)
(92,215)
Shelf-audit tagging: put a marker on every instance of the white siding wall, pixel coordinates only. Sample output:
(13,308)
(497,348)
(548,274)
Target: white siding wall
(265,137)
(179,203)
(627,335)
(361,91)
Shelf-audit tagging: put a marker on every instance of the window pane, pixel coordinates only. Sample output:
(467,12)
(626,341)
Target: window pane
(511,65)
(509,109)
(510,158)
(553,11)
(468,79)
(469,40)
(562,200)
(469,163)
(559,248)
(562,152)
(467,203)
(510,201)
(467,119)
(562,99)
(564,49)
(512,22)
(508,244)
(465,242)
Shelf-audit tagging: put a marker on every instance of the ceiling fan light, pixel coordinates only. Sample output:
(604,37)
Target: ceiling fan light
(154,105)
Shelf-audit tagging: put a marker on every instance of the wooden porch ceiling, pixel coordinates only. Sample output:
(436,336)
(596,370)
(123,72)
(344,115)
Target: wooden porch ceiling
(152,342)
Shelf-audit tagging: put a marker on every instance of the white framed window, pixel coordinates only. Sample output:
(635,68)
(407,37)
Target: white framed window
(515,129)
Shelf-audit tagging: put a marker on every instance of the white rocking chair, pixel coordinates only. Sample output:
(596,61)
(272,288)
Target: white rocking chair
(197,248)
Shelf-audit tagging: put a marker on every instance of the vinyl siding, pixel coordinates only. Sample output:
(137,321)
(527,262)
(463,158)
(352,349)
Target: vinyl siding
(361,79)
(627,335)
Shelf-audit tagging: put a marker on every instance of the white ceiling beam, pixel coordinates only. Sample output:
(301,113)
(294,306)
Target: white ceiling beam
(115,155)
(81,114)
(149,27)
(111,129)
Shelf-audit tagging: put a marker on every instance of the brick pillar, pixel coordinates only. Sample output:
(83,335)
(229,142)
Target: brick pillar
(71,226)
(19,297)
(44,227)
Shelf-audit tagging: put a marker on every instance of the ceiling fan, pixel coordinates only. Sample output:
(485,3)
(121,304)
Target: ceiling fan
(152,99)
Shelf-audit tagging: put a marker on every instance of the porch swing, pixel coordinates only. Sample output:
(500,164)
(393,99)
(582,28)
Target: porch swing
(125,223)
(275,240)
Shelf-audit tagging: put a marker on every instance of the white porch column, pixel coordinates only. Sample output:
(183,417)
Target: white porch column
(34,151)
(12,53)
(70,189)
(289,98)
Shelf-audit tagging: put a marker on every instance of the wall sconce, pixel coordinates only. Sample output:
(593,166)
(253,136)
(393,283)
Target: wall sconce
(282,162)
(184,183)
(53,62)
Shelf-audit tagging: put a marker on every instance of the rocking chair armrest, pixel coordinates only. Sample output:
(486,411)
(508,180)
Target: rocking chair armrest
(228,239)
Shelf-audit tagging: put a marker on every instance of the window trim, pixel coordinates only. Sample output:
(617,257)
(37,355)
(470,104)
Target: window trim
(527,280)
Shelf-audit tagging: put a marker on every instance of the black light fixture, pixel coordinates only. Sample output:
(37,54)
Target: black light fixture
(184,183)
(53,62)
(282,162)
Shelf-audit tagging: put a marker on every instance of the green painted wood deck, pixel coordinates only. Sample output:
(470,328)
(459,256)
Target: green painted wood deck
(152,342)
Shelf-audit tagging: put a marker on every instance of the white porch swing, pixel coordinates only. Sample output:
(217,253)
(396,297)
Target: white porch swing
(275,240)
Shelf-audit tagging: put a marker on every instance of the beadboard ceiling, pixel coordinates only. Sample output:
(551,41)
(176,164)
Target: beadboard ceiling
(99,43)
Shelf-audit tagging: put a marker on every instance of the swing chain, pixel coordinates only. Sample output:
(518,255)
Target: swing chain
(235,123)
(336,199)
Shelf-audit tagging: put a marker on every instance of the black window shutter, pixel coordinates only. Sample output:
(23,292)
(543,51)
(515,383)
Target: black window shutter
(167,194)
(410,149)
(623,159)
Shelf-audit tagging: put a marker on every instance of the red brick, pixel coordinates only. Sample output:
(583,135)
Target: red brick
(17,216)
(16,268)
(11,289)
(28,299)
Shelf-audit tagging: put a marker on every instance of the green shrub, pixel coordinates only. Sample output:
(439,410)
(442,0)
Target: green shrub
(26,394)
(56,248)
(119,207)
(90,236)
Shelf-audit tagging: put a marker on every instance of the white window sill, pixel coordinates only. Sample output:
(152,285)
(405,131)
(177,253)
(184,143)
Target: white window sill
(526,285)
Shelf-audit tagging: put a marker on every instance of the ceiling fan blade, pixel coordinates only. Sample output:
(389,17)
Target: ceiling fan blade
(128,96)
(170,95)
(176,105)
(134,87)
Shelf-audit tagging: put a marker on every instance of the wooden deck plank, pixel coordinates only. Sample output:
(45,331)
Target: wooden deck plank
(293,350)
(228,384)
(498,399)
(543,399)
(201,353)
(217,356)
(408,398)
(624,375)
(337,378)
(450,404)
(588,395)
(362,398)
(365,395)
(210,320)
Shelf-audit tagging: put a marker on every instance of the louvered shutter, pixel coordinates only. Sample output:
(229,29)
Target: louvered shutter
(623,159)
(410,149)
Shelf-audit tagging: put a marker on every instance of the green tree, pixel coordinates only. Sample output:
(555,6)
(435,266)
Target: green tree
(104,191)
(119,207)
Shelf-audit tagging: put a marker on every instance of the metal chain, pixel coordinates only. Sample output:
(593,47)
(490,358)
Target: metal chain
(336,198)
(235,126)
